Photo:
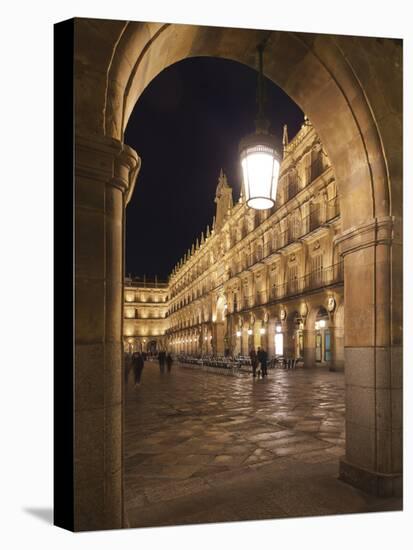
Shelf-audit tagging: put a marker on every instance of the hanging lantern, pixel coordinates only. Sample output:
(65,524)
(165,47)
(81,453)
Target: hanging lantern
(260,160)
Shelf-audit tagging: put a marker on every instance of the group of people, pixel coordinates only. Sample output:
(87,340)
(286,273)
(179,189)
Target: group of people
(259,358)
(136,363)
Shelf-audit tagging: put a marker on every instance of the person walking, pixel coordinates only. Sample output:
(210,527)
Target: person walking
(137,363)
(161,359)
(169,362)
(262,357)
(254,361)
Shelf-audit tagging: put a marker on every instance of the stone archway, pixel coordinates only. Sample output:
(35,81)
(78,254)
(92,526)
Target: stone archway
(350,87)
(293,344)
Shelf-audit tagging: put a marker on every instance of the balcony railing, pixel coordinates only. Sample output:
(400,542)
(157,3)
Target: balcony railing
(143,282)
(311,281)
(147,300)
(145,318)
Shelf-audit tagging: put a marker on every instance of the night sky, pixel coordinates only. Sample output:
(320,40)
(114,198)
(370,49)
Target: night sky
(186,126)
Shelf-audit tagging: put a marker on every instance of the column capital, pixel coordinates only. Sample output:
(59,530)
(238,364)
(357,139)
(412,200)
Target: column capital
(373,232)
(107,159)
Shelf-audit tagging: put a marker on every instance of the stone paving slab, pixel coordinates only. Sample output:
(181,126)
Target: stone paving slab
(203,448)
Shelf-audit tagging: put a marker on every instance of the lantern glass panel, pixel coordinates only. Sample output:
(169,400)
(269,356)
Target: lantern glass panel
(260,168)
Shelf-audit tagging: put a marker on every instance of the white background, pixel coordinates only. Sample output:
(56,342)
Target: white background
(26,284)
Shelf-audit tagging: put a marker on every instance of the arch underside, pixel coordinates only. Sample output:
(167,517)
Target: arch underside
(325,75)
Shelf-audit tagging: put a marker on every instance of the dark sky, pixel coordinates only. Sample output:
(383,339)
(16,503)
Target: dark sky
(185,126)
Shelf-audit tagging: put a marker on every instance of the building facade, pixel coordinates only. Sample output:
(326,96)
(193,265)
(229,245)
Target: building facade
(145,315)
(271,278)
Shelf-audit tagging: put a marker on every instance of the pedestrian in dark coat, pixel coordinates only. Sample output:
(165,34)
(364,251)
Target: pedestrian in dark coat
(137,364)
(262,357)
(161,359)
(169,362)
(254,361)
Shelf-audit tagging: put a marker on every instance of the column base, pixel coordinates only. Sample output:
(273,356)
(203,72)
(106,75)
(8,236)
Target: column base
(373,483)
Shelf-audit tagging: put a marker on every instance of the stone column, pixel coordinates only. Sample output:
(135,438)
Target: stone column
(270,330)
(309,347)
(250,340)
(373,364)
(105,174)
(256,336)
(289,342)
(337,349)
(245,341)
(238,344)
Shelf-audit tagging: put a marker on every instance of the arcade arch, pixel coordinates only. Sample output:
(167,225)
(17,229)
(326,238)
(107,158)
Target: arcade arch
(357,114)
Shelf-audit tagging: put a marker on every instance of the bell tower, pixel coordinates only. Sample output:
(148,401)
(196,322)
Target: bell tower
(223,199)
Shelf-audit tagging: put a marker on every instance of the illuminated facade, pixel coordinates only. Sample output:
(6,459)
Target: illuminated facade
(145,315)
(270,278)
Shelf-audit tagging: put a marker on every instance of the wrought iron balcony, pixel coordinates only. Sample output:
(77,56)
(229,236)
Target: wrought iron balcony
(311,281)
(318,279)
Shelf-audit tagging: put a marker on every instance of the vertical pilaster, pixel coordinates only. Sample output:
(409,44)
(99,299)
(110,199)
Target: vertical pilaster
(270,331)
(373,368)
(105,174)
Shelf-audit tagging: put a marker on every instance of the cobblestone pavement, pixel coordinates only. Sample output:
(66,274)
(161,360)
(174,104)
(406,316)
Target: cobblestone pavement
(202,447)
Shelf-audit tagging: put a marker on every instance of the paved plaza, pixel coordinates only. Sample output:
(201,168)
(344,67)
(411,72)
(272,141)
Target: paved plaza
(203,447)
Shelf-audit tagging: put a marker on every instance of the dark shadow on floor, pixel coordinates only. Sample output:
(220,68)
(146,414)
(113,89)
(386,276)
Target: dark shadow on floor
(45,514)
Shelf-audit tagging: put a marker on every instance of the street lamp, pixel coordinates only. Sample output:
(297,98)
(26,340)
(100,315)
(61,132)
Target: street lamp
(260,160)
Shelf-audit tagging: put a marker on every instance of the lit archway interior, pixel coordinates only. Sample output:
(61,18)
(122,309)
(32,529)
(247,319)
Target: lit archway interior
(350,87)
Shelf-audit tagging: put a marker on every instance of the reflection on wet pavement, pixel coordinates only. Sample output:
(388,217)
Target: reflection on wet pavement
(188,433)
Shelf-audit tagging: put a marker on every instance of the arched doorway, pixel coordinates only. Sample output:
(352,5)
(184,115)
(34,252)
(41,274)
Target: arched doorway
(322,337)
(357,114)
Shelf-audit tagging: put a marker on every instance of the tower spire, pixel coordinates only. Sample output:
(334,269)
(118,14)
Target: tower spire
(223,200)
(285,136)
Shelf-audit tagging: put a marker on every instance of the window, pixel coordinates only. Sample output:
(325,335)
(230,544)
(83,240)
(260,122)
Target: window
(292,186)
(316,270)
(293,278)
(314,215)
